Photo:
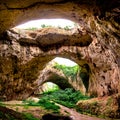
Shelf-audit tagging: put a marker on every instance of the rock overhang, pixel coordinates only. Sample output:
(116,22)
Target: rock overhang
(13,12)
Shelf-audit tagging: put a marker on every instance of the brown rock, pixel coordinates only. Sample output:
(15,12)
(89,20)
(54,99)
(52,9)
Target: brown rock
(23,56)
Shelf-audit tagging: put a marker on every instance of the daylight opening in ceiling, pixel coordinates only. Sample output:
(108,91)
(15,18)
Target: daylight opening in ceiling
(64,61)
(62,23)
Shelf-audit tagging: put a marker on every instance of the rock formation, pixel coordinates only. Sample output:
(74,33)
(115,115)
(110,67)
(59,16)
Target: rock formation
(97,44)
(56,76)
(24,57)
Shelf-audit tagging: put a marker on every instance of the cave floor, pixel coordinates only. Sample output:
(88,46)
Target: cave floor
(38,111)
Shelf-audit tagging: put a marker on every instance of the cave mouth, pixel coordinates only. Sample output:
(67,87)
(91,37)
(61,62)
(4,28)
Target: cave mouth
(65,73)
(49,87)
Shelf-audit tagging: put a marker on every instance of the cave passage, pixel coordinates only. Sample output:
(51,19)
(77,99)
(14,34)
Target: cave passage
(63,73)
(49,87)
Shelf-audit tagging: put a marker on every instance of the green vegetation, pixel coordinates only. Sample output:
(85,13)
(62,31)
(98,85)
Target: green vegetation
(70,71)
(45,26)
(49,105)
(28,116)
(50,87)
(67,27)
(49,26)
(68,97)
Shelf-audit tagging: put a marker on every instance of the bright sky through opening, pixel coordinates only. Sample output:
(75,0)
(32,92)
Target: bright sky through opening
(64,61)
(53,22)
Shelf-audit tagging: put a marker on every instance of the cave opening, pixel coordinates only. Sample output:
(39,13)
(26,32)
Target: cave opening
(64,73)
(59,86)
(49,87)
(48,23)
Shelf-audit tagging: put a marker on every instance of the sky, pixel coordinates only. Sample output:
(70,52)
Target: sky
(64,61)
(52,22)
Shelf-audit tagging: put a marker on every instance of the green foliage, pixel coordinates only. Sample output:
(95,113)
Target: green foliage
(45,26)
(28,116)
(50,87)
(49,26)
(68,97)
(67,27)
(49,105)
(70,71)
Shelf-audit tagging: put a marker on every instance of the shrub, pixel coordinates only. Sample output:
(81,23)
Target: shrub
(68,97)
(69,71)
(47,104)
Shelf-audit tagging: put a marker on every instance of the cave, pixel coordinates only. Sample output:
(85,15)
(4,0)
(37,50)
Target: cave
(66,74)
(95,46)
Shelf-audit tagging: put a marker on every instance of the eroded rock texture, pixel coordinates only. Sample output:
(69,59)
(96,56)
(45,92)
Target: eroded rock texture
(23,57)
(58,77)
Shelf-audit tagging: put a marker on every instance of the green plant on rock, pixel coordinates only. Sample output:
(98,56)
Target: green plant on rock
(68,97)
(70,71)
(47,104)
(67,27)
(28,116)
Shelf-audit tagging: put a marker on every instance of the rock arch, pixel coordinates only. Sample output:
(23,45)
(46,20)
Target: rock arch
(51,74)
(102,53)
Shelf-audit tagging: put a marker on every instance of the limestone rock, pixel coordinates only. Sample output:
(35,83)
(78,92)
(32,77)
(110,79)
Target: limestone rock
(21,60)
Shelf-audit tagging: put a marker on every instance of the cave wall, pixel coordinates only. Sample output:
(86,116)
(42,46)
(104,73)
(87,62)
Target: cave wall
(99,19)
